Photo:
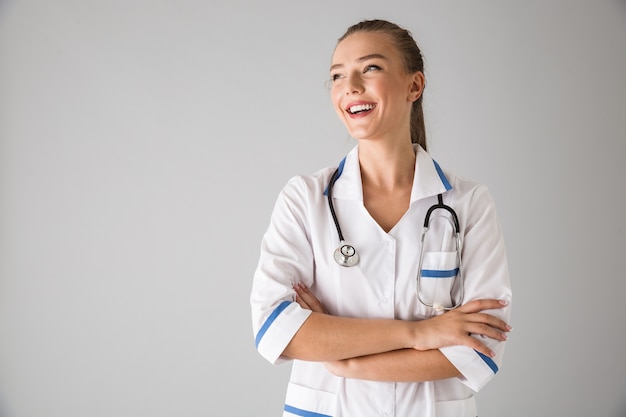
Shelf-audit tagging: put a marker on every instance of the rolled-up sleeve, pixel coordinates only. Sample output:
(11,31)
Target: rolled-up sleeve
(286,258)
(486,275)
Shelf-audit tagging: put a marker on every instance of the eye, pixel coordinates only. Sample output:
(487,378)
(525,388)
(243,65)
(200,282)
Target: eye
(372,67)
(335,77)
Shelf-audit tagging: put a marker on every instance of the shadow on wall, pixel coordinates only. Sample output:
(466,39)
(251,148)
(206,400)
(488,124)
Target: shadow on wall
(4,4)
(621,411)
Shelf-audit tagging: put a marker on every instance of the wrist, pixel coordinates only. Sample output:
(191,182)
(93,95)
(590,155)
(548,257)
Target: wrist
(416,335)
(409,334)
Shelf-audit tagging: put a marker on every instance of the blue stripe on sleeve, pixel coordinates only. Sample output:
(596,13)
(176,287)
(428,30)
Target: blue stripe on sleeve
(488,361)
(443,178)
(270,320)
(303,413)
(435,273)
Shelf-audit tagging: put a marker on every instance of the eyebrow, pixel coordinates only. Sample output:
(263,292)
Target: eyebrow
(361,59)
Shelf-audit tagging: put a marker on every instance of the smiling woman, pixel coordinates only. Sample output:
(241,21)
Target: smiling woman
(360,336)
(398,42)
(372,92)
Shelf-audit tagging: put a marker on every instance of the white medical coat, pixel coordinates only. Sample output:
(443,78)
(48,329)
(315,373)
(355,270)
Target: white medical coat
(298,246)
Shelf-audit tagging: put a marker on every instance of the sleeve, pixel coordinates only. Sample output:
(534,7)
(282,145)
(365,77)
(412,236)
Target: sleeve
(486,275)
(286,258)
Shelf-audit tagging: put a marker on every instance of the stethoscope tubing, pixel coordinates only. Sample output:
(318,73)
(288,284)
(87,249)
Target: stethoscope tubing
(458,279)
(346,255)
(331,206)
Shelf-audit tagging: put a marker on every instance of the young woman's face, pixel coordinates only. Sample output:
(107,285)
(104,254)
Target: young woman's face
(371,91)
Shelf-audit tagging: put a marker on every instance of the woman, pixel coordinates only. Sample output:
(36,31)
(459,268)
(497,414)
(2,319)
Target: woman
(361,341)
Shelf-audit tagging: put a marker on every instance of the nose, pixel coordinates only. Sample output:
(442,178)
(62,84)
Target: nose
(354,84)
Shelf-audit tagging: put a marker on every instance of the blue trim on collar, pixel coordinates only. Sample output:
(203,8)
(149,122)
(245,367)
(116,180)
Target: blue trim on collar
(442,177)
(340,168)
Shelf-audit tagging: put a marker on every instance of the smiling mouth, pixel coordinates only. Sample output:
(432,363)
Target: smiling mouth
(360,108)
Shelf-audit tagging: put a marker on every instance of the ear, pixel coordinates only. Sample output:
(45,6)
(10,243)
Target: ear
(418,82)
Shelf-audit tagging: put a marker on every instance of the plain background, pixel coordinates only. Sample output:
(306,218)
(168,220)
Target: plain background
(143,144)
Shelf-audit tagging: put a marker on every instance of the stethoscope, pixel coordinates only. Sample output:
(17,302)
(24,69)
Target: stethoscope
(346,255)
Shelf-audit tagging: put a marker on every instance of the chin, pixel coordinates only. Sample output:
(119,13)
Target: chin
(362,136)
(359,134)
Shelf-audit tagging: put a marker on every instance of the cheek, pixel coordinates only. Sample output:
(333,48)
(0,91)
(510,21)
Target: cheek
(335,98)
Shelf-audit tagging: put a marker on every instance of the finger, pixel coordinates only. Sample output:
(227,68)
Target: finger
(489,319)
(478,346)
(486,330)
(310,299)
(302,303)
(479,305)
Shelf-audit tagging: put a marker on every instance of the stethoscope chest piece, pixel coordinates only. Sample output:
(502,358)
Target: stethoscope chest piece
(346,255)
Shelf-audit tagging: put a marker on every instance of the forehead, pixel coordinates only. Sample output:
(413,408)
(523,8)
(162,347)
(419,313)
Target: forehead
(362,44)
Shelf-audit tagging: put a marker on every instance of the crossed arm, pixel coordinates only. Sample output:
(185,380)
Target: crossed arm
(391,350)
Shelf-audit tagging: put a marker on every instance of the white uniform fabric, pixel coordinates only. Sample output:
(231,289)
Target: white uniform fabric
(298,247)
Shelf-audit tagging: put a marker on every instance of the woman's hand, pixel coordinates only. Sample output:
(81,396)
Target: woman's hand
(307,300)
(456,326)
(452,328)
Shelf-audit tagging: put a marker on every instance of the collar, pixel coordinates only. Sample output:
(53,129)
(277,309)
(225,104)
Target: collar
(429,179)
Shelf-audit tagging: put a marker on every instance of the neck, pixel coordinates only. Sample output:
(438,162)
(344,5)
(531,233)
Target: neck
(386,165)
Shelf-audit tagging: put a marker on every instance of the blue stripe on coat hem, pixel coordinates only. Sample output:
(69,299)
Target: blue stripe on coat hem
(303,413)
(270,320)
(488,361)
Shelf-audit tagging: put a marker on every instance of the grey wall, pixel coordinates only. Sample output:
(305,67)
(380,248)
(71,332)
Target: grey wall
(143,142)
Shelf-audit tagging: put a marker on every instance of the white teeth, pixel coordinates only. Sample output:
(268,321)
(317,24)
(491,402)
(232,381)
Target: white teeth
(360,107)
